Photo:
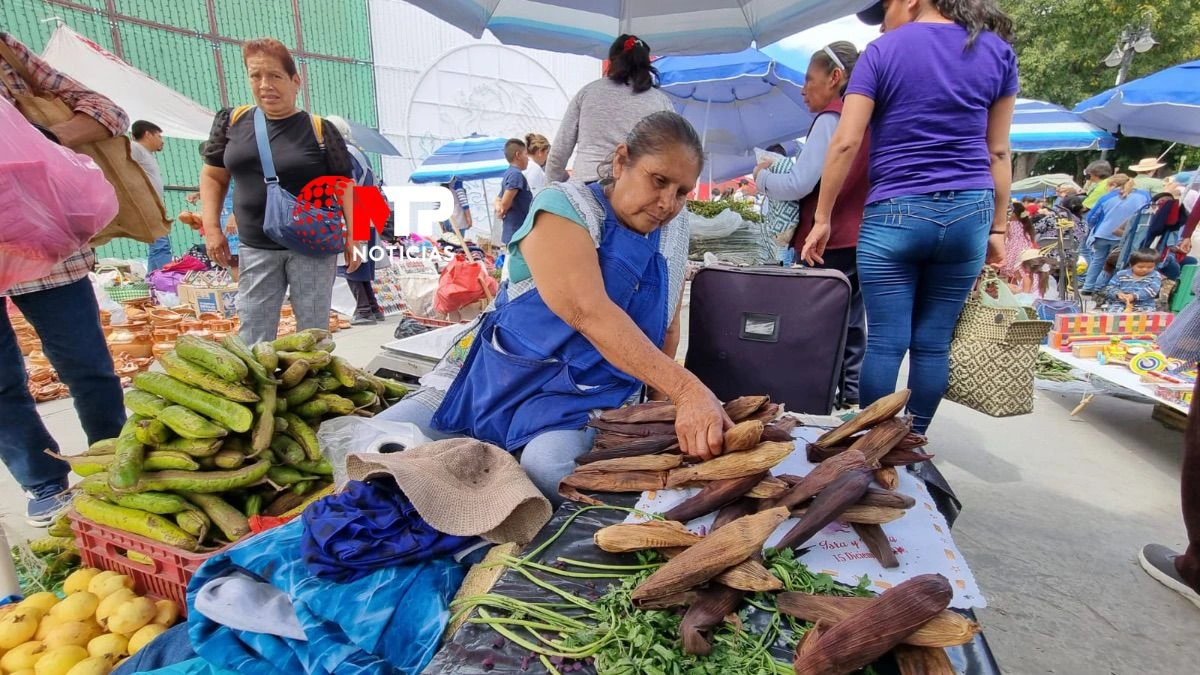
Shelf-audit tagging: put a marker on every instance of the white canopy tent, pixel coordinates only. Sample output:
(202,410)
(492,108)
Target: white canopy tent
(141,96)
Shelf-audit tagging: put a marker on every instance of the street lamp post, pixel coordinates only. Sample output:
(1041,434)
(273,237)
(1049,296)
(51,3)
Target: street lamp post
(1133,40)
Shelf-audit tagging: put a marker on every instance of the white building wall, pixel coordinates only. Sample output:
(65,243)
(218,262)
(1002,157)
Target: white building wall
(435,83)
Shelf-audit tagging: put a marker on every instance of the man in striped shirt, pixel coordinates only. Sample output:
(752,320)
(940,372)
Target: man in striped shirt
(61,307)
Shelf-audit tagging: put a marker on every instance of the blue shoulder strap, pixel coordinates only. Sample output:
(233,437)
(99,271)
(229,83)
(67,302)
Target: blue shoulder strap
(264,147)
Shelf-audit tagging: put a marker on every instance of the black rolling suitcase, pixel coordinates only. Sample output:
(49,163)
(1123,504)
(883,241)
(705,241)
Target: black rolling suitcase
(769,330)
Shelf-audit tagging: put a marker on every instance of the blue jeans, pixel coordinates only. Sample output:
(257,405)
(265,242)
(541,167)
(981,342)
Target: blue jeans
(1096,279)
(547,458)
(159,254)
(67,320)
(1172,268)
(918,258)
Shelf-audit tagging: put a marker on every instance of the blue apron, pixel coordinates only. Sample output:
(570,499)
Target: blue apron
(528,372)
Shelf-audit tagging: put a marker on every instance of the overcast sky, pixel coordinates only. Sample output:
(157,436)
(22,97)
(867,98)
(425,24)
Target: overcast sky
(796,50)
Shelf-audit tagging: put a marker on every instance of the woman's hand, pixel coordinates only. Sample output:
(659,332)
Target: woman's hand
(764,164)
(217,246)
(814,244)
(700,423)
(995,252)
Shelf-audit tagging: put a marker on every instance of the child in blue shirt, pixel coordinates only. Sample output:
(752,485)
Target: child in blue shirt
(1135,288)
(515,195)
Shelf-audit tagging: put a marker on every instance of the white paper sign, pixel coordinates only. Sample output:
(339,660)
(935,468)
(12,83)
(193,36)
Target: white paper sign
(920,539)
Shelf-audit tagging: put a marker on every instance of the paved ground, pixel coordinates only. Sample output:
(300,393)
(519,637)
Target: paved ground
(1055,511)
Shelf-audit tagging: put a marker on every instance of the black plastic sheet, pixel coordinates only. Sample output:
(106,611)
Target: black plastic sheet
(475,649)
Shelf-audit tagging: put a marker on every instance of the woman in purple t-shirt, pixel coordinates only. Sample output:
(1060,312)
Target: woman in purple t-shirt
(938,91)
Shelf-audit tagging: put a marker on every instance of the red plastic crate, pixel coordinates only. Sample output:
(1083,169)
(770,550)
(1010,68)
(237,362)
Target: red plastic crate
(105,548)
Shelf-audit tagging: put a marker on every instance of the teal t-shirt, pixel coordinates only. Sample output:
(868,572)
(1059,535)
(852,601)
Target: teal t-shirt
(552,201)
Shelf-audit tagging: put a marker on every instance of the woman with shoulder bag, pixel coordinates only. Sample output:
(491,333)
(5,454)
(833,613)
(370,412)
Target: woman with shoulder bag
(824,86)
(269,269)
(938,91)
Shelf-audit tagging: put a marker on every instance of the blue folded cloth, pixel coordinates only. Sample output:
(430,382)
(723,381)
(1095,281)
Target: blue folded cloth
(388,622)
(368,526)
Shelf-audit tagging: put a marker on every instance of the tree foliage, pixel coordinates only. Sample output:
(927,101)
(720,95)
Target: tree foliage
(1061,45)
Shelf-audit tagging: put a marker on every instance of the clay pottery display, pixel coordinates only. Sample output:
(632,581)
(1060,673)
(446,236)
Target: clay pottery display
(37,358)
(164,341)
(164,318)
(41,375)
(191,326)
(50,392)
(132,344)
(220,328)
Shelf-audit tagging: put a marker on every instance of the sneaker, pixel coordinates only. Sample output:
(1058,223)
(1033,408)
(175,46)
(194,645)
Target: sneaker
(1159,562)
(362,321)
(45,502)
(379,316)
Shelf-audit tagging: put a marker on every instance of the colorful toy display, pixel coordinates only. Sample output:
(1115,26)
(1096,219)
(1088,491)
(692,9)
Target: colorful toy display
(1071,330)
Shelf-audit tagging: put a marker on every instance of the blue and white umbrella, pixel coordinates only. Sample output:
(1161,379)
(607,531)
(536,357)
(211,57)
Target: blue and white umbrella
(1164,106)
(472,158)
(738,102)
(1038,126)
(668,26)
(370,140)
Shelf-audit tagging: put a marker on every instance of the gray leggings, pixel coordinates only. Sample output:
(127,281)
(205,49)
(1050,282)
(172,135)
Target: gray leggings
(547,459)
(267,275)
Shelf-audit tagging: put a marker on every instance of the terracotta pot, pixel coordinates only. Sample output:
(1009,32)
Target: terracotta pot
(161,318)
(125,368)
(143,304)
(191,325)
(184,310)
(37,358)
(41,375)
(129,326)
(210,316)
(28,346)
(220,328)
(286,312)
(164,341)
(105,317)
(133,345)
(50,392)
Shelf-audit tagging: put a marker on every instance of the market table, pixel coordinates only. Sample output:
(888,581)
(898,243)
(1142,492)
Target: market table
(411,357)
(474,649)
(1120,376)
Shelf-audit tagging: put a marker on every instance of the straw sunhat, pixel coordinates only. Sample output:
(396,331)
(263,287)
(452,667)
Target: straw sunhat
(462,486)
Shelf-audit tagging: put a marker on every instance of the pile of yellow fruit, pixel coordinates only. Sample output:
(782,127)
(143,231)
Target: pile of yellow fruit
(98,625)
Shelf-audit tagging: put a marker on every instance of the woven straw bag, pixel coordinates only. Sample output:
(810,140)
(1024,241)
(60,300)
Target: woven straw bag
(993,352)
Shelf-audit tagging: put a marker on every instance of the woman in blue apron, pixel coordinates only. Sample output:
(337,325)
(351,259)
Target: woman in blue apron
(589,315)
